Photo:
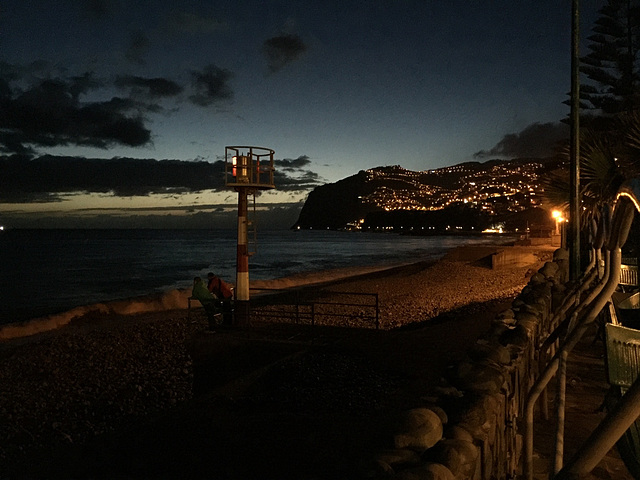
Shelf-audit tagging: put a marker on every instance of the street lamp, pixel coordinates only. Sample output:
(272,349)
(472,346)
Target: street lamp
(557,215)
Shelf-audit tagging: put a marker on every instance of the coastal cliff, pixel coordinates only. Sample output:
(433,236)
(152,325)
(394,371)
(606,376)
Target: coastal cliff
(469,196)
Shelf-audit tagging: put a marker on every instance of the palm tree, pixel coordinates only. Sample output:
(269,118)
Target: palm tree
(607,158)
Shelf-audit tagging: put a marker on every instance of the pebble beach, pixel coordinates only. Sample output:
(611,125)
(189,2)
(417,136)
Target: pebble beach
(100,375)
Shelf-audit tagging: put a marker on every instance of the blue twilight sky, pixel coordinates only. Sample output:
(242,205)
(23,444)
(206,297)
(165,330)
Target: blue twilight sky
(333,87)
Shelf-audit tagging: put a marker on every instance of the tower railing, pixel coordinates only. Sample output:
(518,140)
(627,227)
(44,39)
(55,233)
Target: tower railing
(249,167)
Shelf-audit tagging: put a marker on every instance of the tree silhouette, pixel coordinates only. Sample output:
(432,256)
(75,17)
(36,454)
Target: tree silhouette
(612,63)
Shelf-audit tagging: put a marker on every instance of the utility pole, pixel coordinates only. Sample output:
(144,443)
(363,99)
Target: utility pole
(574,151)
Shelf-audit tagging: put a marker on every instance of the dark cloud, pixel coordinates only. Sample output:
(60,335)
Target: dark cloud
(282,50)
(306,180)
(293,164)
(271,216)
(538,140)
(48,175)
(50,113)
(47,178)
(82,84)
(31,72)
(290,176)
(137,48)
(195,24)
(211,85)
(153,87)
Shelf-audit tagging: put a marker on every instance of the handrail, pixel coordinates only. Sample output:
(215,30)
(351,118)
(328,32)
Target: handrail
(298,302)
(613,426)
(569,343)
(595,301)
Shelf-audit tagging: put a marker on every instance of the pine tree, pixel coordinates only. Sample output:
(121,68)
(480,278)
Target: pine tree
(612,63)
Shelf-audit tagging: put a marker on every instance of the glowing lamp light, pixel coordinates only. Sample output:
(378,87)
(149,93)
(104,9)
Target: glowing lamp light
(557,215)
(240,168)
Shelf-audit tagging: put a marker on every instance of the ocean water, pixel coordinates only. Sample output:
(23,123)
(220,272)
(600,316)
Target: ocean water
(50,271)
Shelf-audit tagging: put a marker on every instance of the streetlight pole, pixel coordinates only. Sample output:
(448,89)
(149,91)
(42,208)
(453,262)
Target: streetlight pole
(574,177)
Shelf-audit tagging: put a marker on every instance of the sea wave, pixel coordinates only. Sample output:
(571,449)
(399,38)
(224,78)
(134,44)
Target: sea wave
(174,299)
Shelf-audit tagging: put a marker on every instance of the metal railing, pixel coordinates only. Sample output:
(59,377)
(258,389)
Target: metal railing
(587,305)
(629,275)
(304,307)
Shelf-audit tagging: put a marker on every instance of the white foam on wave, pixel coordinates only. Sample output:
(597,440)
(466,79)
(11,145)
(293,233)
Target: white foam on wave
(176,299)
(169,300)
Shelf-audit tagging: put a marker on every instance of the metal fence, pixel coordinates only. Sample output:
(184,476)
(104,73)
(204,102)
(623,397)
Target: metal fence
(309,307)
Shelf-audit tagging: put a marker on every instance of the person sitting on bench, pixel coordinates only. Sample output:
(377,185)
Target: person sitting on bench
(223,291)
(208,300)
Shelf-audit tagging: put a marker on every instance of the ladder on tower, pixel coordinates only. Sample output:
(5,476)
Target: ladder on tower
(252,234)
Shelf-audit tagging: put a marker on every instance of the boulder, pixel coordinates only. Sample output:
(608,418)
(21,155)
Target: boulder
(483,351)
(478,418)
(440,412)
(459,456)
(537,279)
(477,377)
(419,429)
(524,316)
(506,315)
(456,432)
(517,303)
(550,270)
(535,309)
(448,391)
(561,254)
(563,271)
(496,330)
(517,336)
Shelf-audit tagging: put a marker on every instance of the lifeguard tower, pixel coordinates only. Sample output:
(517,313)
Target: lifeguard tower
(247,170)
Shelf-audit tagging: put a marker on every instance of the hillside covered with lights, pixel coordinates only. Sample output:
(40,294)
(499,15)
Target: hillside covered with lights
(470,196)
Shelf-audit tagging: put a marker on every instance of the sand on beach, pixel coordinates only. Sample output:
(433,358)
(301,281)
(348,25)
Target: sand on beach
(90,381)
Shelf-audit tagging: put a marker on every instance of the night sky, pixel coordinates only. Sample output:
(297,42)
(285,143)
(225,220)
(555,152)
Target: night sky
(333,87)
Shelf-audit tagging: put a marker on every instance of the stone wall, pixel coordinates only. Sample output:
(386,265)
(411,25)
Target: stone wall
(468,427)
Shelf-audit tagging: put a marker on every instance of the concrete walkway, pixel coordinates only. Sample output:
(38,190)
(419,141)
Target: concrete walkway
(586,388)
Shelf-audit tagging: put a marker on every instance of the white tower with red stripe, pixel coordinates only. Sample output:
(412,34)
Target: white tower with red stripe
(247,170)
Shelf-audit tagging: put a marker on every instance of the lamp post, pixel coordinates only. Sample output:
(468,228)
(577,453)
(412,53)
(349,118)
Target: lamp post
(557,216)
(574,177)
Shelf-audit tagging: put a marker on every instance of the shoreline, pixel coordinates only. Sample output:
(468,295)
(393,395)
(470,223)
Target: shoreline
(177,299)
(73,385)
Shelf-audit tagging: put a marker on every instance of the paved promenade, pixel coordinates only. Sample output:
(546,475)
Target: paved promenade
(586,388)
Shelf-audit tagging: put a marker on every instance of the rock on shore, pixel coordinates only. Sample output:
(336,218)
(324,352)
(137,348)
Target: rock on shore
(67,386)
